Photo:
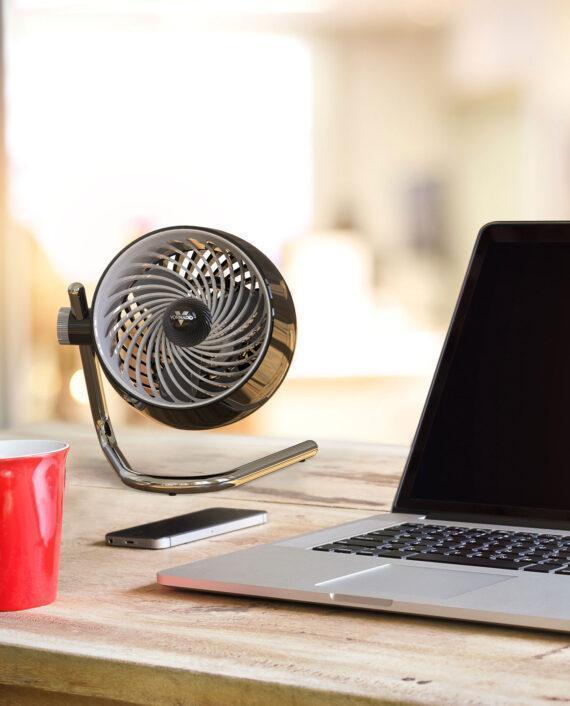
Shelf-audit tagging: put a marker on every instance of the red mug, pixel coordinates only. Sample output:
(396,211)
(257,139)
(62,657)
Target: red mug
(32,477)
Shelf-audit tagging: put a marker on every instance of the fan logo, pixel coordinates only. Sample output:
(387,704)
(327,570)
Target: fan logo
(180,317)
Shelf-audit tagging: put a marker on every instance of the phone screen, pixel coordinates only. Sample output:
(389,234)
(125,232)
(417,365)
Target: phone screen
(185,523)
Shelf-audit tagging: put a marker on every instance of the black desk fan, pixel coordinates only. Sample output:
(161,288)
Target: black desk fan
(195,328)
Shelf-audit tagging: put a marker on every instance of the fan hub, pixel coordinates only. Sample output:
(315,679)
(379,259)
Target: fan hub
(187,322)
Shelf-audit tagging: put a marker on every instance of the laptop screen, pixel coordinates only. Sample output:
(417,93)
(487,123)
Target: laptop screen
(495,434)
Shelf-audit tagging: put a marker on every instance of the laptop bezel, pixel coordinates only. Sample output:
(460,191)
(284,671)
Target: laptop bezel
(495,232)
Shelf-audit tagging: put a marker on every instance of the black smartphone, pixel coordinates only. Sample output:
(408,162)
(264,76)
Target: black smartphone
(185,528)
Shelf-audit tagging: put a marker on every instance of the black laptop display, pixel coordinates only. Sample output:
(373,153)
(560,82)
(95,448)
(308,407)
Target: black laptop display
(494,438)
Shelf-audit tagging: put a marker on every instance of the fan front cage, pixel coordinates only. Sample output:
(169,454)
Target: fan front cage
(145,281)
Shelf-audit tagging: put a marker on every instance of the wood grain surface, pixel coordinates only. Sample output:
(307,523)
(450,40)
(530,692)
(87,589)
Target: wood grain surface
(114,634)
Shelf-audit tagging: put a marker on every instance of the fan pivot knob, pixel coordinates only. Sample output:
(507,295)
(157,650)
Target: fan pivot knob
(187,322)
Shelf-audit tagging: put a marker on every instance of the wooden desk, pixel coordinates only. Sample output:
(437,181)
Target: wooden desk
(114,634)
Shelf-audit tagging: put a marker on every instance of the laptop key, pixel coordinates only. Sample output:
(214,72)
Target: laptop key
(355,548)
(390,554)
(543,568)
(507,555)
(417,548)
(395,545)
(470,561)
(360,543)
(564,572)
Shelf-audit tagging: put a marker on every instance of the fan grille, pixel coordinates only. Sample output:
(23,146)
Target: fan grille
(147,279)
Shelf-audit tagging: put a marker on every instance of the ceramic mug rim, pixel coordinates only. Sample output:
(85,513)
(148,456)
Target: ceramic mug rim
(14,449)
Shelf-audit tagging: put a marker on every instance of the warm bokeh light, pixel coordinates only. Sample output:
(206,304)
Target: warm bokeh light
(77,387)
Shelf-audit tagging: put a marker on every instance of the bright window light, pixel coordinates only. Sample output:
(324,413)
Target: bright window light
(115,128)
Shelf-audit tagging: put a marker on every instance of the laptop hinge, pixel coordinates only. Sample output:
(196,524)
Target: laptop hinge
(499,520)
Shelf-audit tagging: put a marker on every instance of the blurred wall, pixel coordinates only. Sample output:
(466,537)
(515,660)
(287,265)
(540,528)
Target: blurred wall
(6,337)
(362,145)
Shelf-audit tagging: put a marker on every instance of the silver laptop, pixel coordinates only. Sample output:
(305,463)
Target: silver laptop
(480,526)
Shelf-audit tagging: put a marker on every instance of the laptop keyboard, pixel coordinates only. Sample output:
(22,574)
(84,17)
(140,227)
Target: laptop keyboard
(468,546)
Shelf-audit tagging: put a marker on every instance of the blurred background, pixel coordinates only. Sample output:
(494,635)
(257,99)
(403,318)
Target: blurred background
(360,144)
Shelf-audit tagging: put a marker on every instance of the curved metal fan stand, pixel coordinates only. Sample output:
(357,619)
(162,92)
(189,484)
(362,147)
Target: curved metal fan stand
(162,484)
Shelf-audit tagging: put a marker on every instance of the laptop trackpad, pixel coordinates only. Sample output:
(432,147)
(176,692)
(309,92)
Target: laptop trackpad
(398,582)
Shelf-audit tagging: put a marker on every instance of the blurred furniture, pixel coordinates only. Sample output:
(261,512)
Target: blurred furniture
(115,636)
